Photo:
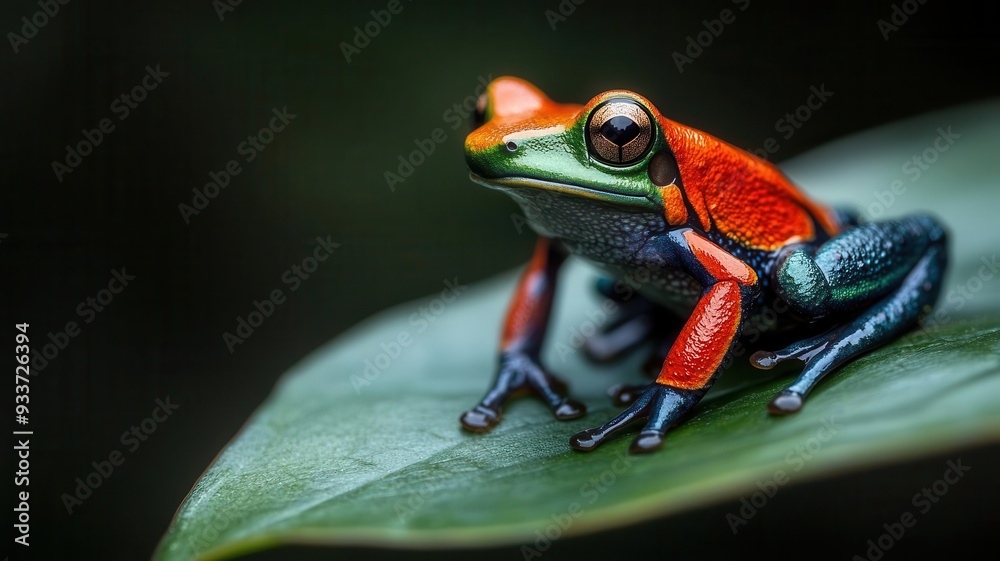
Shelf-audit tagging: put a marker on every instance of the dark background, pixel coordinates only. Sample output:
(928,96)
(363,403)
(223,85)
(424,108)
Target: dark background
(323,175)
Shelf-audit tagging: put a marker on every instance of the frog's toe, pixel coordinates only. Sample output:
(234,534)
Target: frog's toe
(569,409)
(626,394)
(660,405)
(764,360)
(667,406)
(480,419)
(554,383)
(787,401)
(520,374)
(800,350)
(646,442)
(790,400)
(587,440)
(553,391)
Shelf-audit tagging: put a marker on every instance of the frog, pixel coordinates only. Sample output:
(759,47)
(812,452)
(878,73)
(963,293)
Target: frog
(718,235)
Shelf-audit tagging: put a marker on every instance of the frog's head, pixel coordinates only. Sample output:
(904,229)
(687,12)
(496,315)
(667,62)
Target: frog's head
(612,149)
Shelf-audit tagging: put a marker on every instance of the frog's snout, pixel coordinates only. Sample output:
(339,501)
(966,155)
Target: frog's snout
(473,164)
(483,164)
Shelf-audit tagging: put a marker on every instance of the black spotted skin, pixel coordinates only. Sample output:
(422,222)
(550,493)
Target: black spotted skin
(612,237)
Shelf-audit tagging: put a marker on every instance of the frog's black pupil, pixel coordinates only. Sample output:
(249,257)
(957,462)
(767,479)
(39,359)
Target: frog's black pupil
(620,130)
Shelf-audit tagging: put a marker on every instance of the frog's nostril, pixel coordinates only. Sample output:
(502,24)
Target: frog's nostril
(511,146)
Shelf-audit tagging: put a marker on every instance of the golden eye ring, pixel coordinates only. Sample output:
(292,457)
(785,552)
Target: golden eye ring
(619,132)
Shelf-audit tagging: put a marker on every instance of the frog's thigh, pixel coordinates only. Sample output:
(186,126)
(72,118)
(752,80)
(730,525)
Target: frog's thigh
(858,270)
(855,268)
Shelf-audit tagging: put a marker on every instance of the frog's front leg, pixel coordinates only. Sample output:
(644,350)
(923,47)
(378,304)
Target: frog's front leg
(523,333)
(881,278)
(697,355)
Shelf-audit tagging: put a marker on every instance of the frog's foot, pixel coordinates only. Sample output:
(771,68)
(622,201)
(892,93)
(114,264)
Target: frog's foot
(878,324)
(800,350)
(626,394)
(633,322)
(660,405)
(788,400)
(519,373)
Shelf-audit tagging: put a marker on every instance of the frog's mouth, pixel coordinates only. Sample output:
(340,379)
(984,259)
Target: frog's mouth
(605,195)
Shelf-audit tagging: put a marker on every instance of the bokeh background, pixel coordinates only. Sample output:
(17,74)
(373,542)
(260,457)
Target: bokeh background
(323,175)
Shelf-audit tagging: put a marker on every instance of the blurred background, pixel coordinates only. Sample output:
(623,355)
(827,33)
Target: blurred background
(200,77)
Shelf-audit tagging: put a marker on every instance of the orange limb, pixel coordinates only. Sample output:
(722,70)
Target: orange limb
(718,262)
(707,336)
(703,342)
(529,310)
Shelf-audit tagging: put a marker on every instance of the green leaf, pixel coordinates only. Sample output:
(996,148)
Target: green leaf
(382,461)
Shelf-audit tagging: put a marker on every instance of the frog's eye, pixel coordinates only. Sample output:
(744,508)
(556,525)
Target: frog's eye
(619,132)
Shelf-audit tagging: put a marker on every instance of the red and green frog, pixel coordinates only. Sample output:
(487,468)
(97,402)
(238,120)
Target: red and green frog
(719,237)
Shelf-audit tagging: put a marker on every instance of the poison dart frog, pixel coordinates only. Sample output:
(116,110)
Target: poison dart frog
(718,235)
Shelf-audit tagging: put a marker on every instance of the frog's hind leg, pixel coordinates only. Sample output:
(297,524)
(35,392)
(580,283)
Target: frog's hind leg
(636,321)
(860,265)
